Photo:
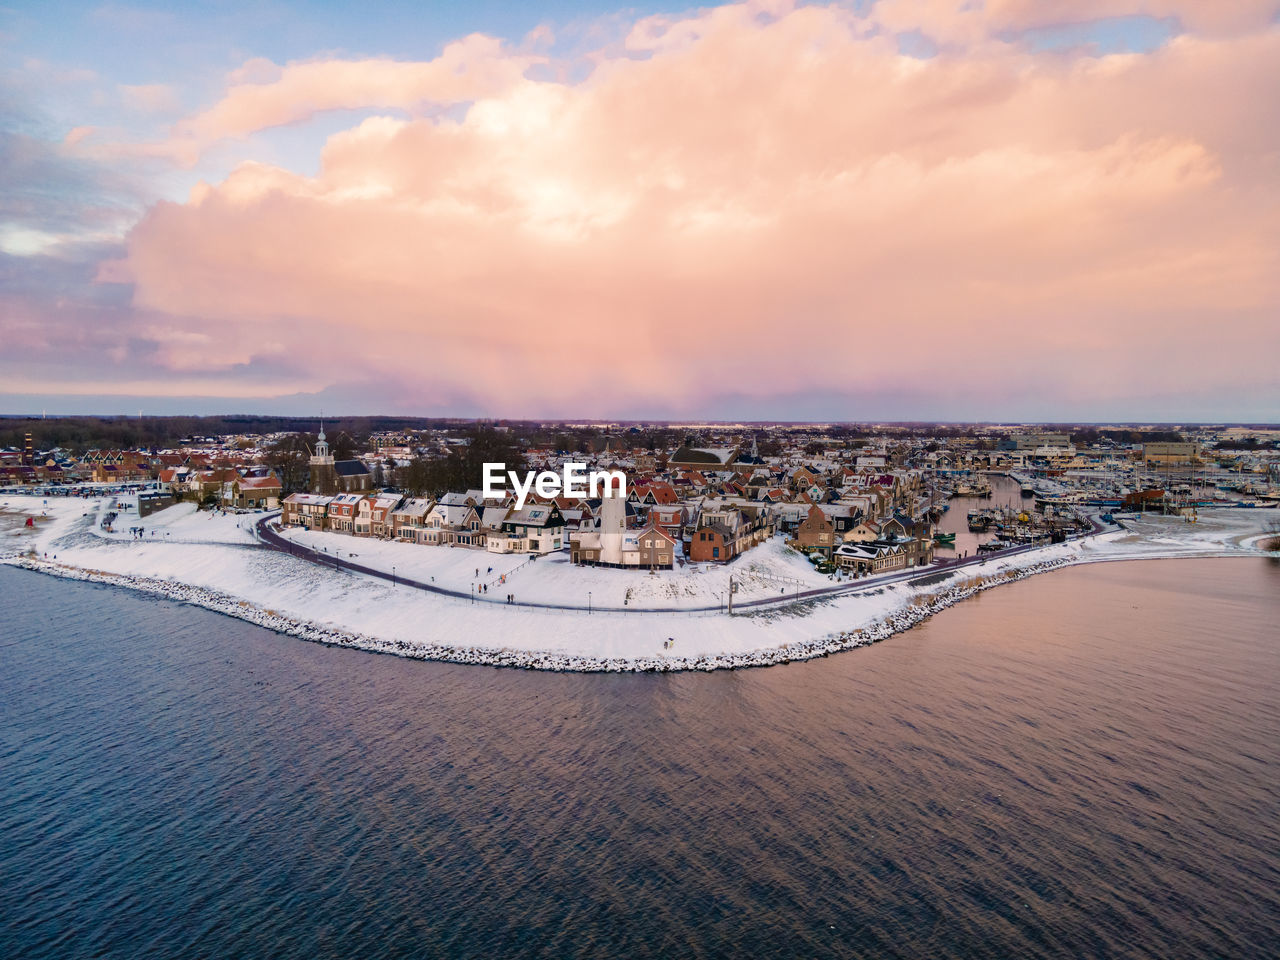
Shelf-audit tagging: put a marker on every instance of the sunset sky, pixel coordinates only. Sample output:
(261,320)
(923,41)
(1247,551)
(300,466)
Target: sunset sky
(889,209)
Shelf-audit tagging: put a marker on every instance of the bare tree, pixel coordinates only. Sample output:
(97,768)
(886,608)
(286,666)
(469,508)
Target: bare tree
(288,456)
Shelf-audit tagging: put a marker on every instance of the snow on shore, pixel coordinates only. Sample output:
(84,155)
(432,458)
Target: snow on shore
(213,562)
(770,570)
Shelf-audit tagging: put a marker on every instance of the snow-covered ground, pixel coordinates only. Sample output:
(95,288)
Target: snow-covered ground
(214,560)
(769,570)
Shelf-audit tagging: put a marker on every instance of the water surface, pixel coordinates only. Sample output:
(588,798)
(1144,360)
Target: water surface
(1083,764)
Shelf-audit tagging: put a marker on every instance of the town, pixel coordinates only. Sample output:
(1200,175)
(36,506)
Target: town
(854,501)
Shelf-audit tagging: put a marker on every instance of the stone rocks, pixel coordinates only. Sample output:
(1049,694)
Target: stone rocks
(919,611)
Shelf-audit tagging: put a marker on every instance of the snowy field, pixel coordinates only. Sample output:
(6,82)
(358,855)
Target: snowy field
(219,555)
(769,570)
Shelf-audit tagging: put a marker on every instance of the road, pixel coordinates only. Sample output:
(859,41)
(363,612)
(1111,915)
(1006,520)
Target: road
(274,541)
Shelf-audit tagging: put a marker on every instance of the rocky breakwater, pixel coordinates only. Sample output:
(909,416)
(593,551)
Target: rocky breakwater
(915,610)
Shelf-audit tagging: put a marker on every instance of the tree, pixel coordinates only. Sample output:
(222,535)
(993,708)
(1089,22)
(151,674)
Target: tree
(344,446)
(465,465)
(288,457)
(414,478)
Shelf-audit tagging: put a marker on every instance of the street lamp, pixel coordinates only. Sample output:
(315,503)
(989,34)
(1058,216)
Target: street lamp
(393,574)
(588,603)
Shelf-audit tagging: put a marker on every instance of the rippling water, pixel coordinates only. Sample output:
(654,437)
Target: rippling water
(1083,764)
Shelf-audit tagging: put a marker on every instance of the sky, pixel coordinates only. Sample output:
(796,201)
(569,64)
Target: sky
(1059,210)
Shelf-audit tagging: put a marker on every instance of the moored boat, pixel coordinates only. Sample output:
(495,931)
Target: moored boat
(979,521)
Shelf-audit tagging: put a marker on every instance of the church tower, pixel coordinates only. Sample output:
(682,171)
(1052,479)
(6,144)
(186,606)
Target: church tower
(323,477)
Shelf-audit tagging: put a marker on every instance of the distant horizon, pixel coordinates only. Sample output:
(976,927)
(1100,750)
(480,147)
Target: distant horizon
(670,422)
(735,408)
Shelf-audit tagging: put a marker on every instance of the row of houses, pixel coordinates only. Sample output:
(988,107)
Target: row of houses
(233,488)
(606,531)
(456,520)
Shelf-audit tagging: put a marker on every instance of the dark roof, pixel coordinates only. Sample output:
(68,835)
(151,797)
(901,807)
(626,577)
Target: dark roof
(350,468)
(690,455)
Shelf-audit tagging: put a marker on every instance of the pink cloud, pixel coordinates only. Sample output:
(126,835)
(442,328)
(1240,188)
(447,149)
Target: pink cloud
(770,201)
(263,95)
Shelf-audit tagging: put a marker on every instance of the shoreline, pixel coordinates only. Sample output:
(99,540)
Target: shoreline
(915,612)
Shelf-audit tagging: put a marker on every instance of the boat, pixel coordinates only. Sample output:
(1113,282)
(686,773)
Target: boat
(946,539)
(979,521)
(1028,490)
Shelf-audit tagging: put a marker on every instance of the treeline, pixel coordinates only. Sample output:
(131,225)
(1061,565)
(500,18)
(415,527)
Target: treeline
(1093,435)
(462,468)
(79,434)
(1245,443)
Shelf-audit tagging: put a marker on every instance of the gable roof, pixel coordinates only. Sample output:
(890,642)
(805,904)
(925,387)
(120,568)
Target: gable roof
(350,468)
(712,456)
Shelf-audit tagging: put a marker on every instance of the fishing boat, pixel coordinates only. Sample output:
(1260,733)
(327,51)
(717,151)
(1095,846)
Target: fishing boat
(979,521)
(945,539)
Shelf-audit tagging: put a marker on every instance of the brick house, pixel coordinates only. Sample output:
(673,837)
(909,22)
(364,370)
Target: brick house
(305,510)
(816,532)
(341,517)
(252,493)
(713,542)
(656,548)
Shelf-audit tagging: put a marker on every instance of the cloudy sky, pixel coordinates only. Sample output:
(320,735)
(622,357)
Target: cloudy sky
(888,209)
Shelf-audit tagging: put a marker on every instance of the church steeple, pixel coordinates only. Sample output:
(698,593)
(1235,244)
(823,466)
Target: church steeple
(322,446)
(322,471)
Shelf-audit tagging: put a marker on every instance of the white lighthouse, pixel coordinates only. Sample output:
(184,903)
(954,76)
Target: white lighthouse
(613,524)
